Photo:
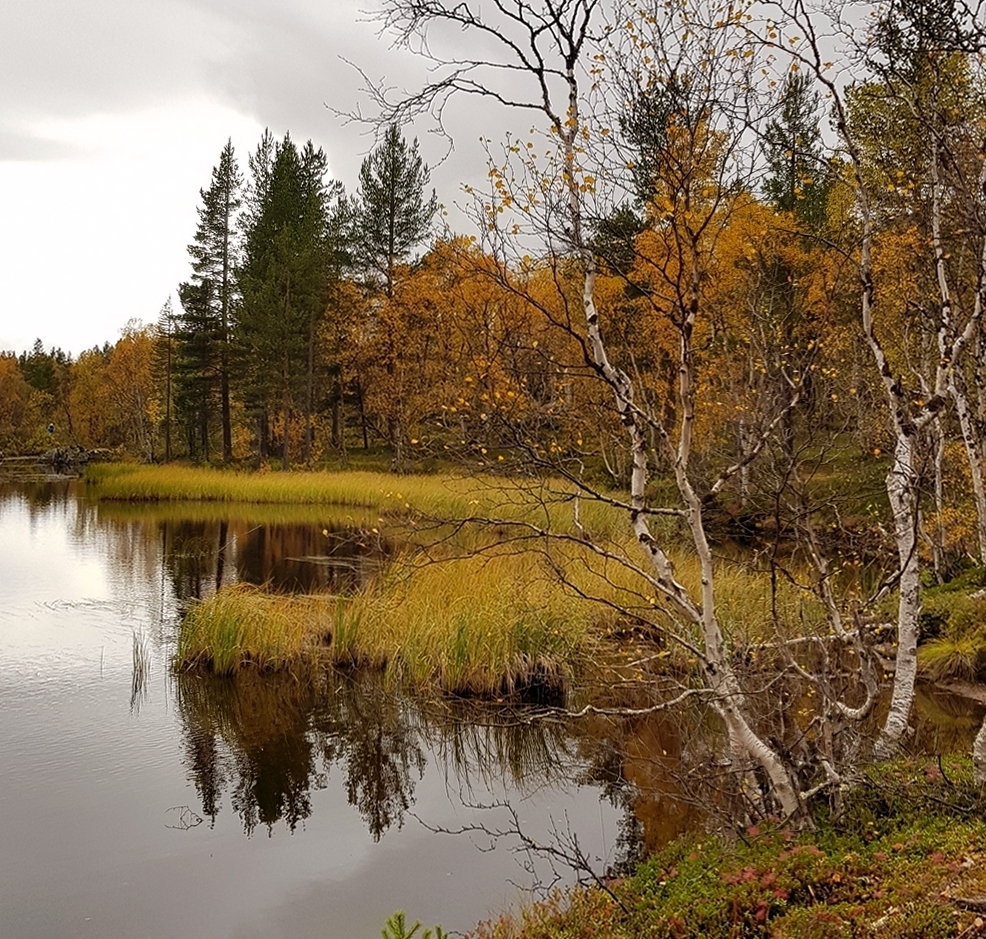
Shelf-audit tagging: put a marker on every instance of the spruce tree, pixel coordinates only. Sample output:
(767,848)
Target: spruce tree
(211,291)
(197,364)
(284,281)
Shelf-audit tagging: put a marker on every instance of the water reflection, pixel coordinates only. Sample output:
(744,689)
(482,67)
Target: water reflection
(944,723)
(201,556)
(252,736)
(200,547)
(270,741)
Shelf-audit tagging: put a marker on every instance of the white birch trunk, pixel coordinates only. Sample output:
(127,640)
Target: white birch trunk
(974,454)
(979,756)
(727,694)
(902,490)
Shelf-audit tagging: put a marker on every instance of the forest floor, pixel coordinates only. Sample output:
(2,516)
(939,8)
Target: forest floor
(906,857)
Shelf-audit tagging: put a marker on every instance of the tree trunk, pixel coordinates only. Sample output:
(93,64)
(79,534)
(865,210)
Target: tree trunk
(309,393)
(286,444)
(974,451)
(362,413)
(902,485)
(979,756)
(337,416)
(226,413)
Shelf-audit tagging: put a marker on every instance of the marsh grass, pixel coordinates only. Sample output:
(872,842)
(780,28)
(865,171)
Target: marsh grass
(497,623)
(482,625)
(247,513)
(426,498)
(476,626)
(495,610)
(953,658)
(241,627)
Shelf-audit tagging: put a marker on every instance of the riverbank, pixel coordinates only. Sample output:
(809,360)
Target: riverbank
(905,859)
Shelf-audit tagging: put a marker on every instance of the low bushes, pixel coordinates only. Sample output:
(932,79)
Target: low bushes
(897,864)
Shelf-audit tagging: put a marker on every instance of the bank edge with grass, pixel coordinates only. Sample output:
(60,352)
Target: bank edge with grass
(905,859)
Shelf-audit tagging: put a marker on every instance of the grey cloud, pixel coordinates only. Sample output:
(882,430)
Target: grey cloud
(277,61)
(61,59)
(274,61)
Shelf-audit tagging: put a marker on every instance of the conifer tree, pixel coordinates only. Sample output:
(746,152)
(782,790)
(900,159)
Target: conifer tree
(798,180)
(390,213)
(284,282)
(389,216)
(212,289)
(196,366)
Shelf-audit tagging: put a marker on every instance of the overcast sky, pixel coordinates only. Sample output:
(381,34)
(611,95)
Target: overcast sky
(112,115)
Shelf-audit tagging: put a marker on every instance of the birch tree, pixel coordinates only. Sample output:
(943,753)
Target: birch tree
(904,41)
(570,67)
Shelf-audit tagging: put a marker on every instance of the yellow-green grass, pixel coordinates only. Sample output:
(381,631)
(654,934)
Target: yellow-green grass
(243,627)
(247,513)
(484,626)
(953,658)
(749,606)
(442,497)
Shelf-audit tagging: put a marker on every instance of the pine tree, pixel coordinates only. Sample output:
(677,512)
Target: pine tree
(391,214)
(798,180)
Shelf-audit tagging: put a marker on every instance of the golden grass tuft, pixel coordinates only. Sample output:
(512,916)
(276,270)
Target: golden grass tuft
(952,659)
(476,626)
(241,626)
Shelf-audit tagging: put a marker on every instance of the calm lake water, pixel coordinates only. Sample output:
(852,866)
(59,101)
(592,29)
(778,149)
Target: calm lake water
(189,806)
(193,807)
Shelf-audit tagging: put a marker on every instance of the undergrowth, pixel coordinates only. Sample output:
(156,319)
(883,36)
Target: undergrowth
(953,627)
(898,863)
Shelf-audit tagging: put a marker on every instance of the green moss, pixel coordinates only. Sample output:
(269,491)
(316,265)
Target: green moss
(886,868)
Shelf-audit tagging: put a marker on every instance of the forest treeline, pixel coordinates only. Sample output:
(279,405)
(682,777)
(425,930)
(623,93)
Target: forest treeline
(315,320)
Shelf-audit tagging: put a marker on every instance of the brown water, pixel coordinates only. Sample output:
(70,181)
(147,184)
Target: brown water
(189,806)
(192,807)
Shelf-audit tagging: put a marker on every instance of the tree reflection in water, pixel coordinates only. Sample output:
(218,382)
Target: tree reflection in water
(270,740)
(251,735)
